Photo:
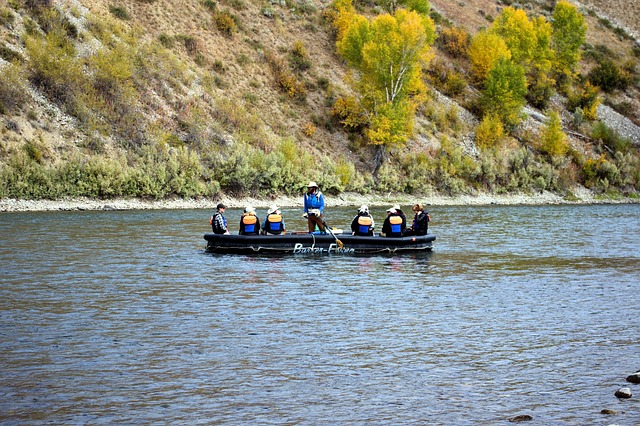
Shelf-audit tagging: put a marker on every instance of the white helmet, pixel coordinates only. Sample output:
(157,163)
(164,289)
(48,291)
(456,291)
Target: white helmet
(273,209)
(249,209)
(364,209)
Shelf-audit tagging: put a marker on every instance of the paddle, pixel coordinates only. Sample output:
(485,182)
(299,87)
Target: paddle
(340,244)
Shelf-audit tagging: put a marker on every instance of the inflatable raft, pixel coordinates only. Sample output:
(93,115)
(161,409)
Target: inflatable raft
(305,243)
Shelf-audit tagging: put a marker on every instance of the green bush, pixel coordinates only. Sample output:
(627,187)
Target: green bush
(609,137)
(607,76)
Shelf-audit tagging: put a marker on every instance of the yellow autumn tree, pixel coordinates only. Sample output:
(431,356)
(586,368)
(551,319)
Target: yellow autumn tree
(387,55)
(553,140)
(569,34)
(484,51)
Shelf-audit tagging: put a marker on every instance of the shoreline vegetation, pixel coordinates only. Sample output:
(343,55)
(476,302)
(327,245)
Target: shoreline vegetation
(579,196)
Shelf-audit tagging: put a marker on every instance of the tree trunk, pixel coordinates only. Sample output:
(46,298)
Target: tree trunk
(378,158)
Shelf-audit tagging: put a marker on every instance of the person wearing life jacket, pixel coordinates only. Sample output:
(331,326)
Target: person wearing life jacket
(314,207)
(249,223)
(401,214)
(421,221)
(362,223)
(394,225)
(274,222)
(218,222)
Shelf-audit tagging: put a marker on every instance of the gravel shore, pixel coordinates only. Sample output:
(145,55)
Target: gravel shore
(581,196)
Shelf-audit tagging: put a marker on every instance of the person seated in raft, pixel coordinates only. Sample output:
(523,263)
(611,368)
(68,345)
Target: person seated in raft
(249,223)
(363,223)
(402,215)
(421,221)
(394,225)
(274,222)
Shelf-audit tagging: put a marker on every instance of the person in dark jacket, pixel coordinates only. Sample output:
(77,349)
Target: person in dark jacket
(218,222)
(274,222)
(249,223)
(421,221)
(363,223)
(394,225)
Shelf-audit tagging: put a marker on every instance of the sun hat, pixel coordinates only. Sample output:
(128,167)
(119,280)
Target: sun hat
(249,209)
(273,209)
(312,184)
(391,210)
(396,206)
(221,206)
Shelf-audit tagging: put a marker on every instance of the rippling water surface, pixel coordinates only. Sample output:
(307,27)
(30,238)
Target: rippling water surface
(120,317)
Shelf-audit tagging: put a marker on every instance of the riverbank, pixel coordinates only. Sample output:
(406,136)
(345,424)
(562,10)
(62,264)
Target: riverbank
(579,196)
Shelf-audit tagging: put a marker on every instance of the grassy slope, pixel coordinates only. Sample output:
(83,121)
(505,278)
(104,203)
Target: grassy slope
(239,62)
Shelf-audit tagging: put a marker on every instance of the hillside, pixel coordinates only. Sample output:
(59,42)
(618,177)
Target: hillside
(198,98)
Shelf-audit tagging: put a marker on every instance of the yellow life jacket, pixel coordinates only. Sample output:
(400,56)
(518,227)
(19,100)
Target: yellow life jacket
(365,221)
(249,219)
(395,220)
(274,218)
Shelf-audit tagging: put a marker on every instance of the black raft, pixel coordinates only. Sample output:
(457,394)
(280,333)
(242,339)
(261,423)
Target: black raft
(304,243)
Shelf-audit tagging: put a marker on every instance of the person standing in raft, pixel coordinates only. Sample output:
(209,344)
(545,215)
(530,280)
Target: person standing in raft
(394,225)
(314,207)
(363,223)
(421,221)
(274,222)
(218,222)
(249,223)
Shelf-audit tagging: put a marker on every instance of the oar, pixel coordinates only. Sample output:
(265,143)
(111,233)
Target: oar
(340,244)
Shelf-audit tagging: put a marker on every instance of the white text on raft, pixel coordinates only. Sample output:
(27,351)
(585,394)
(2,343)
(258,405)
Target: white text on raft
(333,248)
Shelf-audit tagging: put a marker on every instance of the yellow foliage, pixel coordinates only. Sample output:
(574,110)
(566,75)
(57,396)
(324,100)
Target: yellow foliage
(455,40)
(309,130)
(553,140)
(484,51)
(489,132)
(349,112)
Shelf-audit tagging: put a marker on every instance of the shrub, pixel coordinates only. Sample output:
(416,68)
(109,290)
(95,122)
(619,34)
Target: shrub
(489,132)
(299,57)
(309,129)
(349,112)
(609,137)
(454,40)
(608,76)
(455,84)
(553,140)
(586,98)
(225,23)
(54,69)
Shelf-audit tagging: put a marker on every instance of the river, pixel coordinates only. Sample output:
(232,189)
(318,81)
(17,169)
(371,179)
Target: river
(119,317)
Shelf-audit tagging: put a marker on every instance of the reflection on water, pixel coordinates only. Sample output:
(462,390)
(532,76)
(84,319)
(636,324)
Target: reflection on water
(120,317)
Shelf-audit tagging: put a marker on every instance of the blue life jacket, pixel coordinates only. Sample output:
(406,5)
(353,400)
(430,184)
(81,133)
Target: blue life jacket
(274,223)
(249,222)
